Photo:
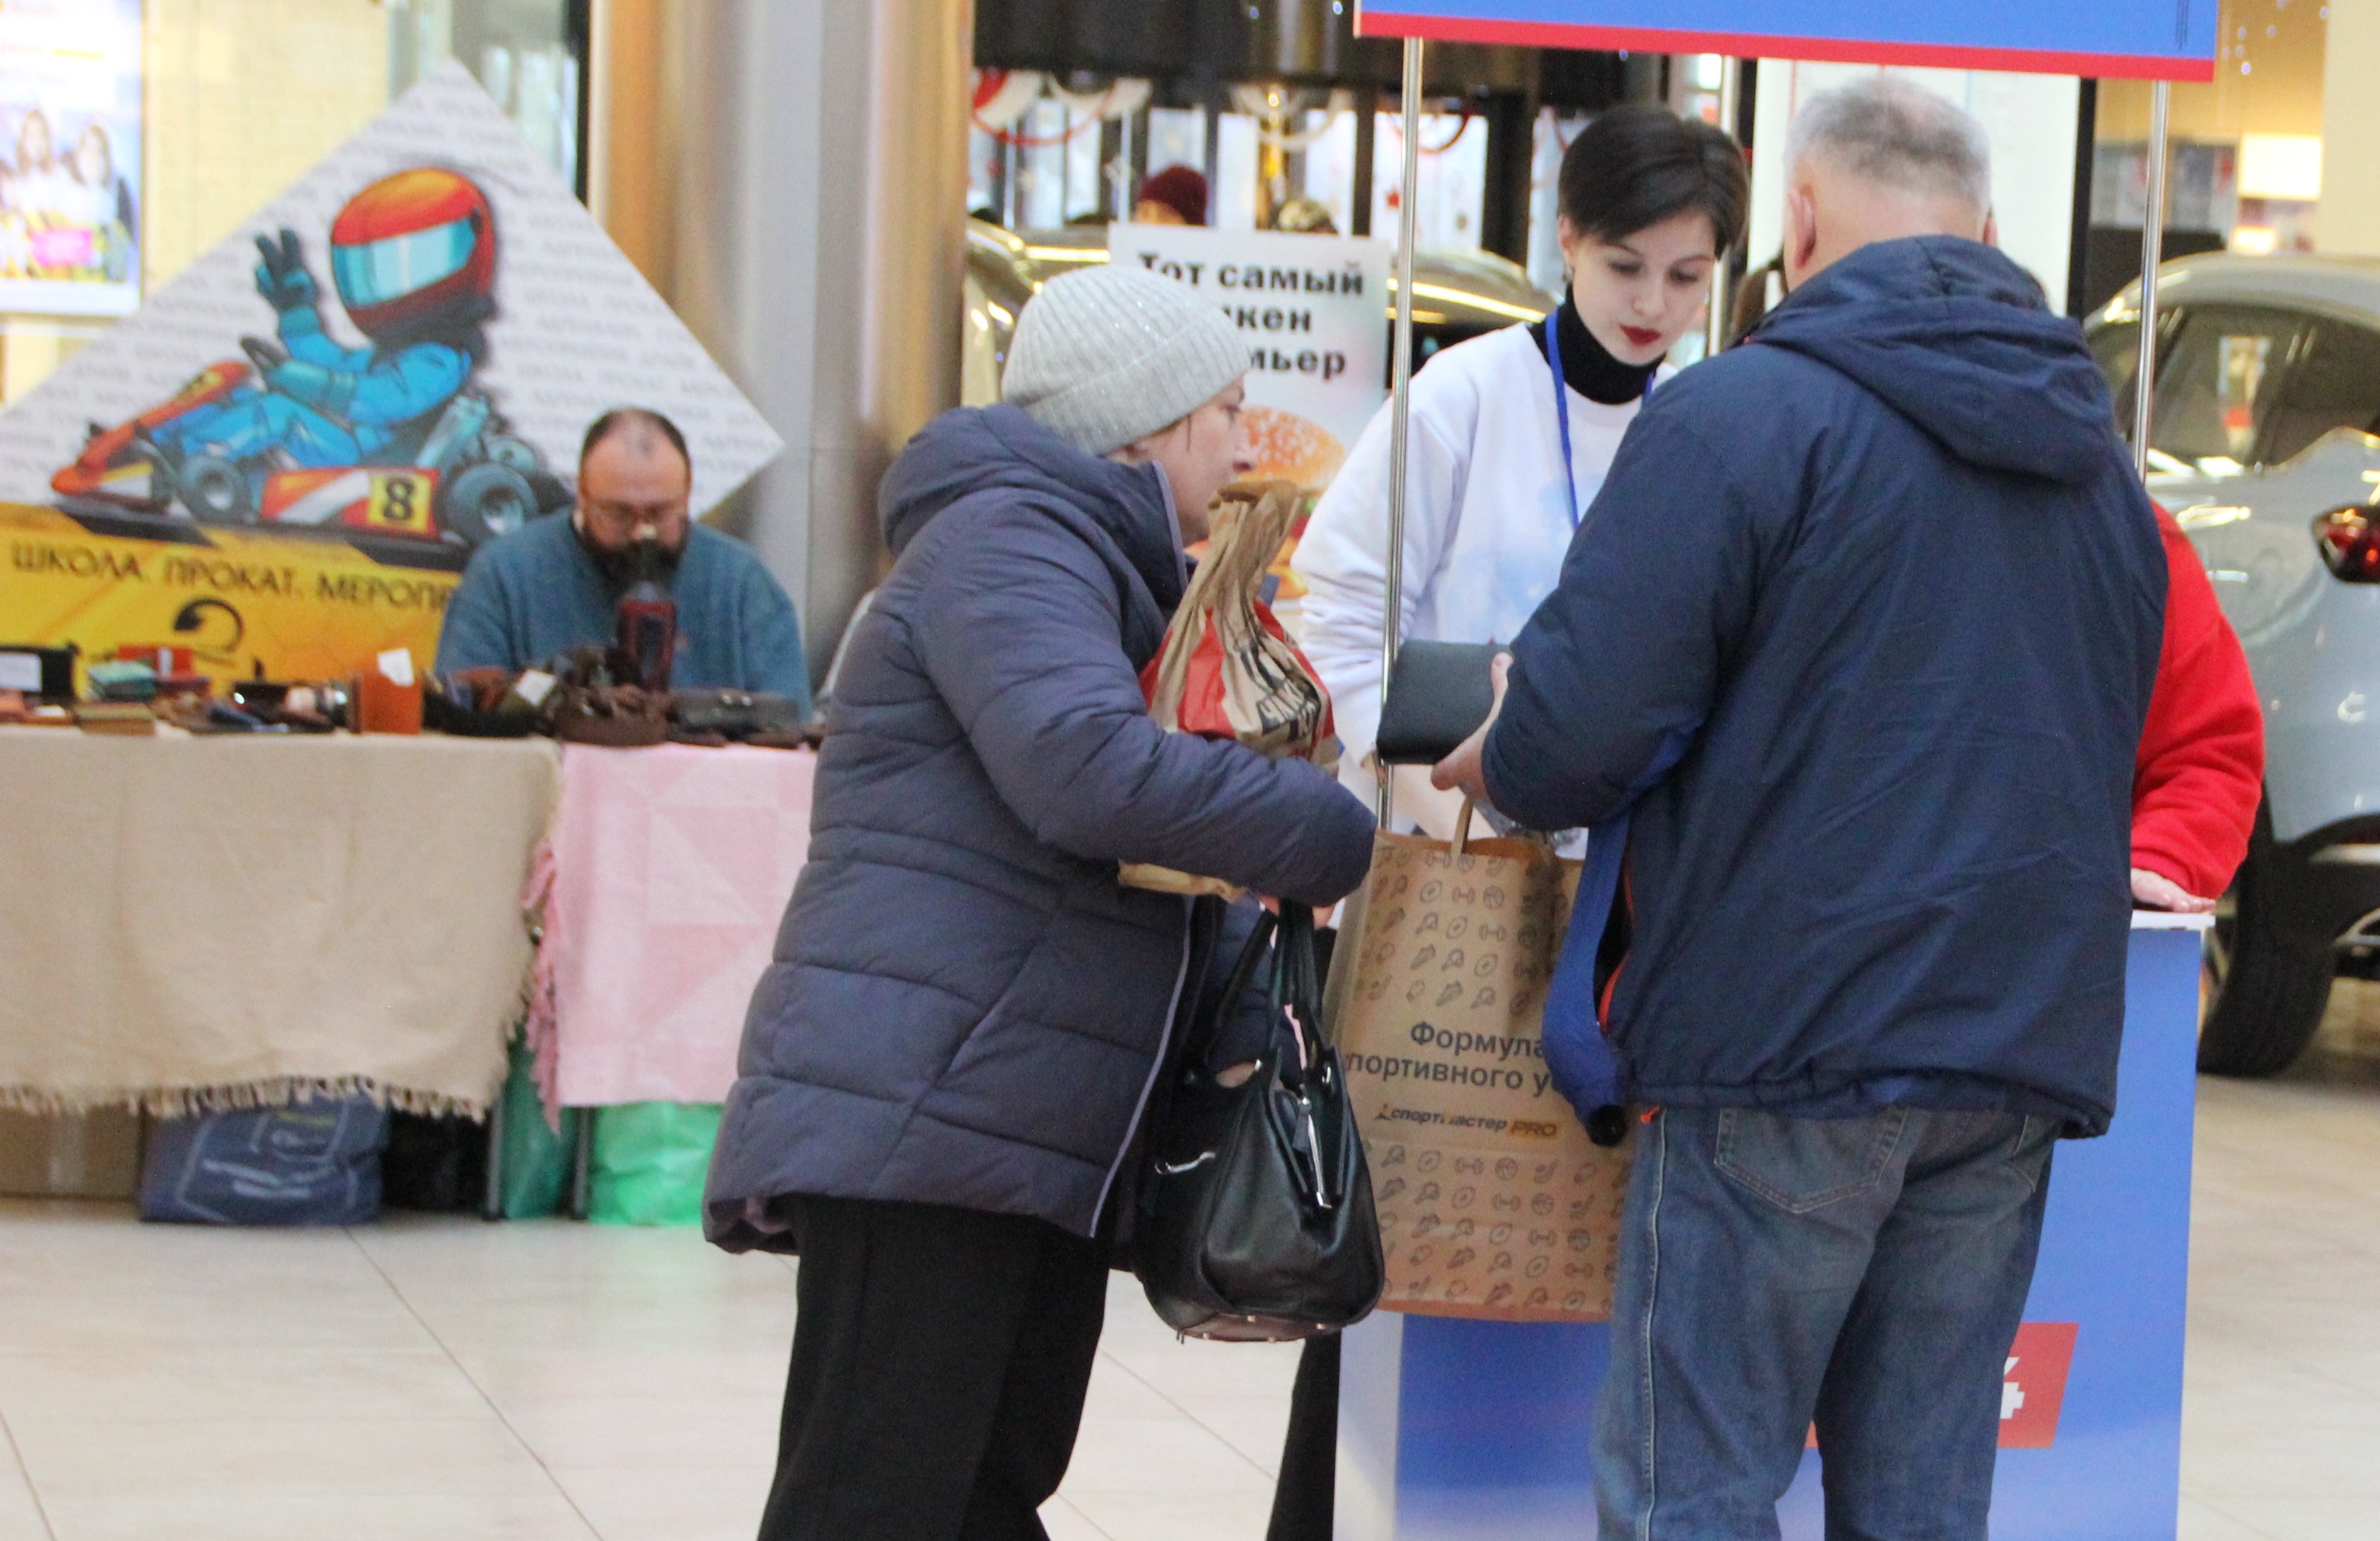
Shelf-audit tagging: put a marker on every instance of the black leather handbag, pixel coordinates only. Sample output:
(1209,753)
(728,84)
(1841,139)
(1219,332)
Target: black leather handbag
(1439,693)
(1256,1222)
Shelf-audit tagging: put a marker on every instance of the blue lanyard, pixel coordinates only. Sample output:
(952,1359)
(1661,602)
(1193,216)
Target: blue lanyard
(1561,413)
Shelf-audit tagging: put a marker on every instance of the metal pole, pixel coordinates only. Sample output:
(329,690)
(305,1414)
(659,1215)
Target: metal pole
(2152,254)
(1124,178)
(1400,404)
(1715,325)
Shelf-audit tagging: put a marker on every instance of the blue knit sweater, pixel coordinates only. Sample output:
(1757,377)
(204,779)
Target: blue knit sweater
(536,592)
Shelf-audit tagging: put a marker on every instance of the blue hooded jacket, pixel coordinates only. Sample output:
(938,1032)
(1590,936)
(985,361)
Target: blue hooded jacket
(967,1007)
(1887,572)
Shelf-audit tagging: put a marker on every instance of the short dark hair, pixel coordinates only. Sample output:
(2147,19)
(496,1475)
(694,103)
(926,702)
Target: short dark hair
(620,418)
(1636,165)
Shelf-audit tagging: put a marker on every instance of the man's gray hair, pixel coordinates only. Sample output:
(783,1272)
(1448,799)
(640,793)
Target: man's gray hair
(1897,135)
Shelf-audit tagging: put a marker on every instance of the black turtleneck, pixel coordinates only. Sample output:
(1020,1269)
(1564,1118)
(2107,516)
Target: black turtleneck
(1588,366)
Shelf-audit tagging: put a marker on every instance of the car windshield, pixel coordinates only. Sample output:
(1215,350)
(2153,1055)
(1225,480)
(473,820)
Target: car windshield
(2117,346)
(2215,396)
(2335,385)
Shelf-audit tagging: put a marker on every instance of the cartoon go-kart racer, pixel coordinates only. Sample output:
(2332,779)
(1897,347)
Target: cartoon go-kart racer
(386,437)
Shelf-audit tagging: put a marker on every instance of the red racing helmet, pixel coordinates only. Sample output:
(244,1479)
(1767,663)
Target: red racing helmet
(413,248)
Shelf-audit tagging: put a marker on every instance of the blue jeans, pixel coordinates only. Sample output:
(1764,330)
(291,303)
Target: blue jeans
(1863,1274)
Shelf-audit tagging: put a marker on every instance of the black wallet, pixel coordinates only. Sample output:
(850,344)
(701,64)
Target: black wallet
(1439,693)
(735,714)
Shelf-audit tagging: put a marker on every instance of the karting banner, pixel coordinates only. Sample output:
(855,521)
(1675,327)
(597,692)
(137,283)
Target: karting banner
(307,609)
(388,365)
(2151,40)
(70,156)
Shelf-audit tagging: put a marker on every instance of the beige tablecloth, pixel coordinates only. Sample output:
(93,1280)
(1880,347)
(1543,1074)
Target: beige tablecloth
(192,923)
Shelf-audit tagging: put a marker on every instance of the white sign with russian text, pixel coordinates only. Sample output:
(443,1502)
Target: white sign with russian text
(1313,311)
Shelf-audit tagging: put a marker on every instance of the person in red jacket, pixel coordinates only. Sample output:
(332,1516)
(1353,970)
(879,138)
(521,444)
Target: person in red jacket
(2201,770)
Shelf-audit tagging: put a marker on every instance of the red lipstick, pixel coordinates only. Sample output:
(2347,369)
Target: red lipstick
(1640,336)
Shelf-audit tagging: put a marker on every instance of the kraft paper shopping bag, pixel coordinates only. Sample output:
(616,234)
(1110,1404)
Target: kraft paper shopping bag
(1493,1202)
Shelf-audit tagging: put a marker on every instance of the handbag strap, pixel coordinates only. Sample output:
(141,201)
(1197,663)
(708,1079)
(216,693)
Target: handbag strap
(1200,1040)
(1294,988)
(1296,983)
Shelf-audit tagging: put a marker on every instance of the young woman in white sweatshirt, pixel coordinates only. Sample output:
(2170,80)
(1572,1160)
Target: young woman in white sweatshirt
(1649,202)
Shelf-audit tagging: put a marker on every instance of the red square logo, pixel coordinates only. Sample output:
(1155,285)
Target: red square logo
(2033,1392)
(2033,1387)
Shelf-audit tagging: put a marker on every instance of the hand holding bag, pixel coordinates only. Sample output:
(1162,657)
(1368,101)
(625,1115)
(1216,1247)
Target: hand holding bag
(1256,1222)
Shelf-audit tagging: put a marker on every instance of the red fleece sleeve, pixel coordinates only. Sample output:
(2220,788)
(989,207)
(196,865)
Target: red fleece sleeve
(2201,770)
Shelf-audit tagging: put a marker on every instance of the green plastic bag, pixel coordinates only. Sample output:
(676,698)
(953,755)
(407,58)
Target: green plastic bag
(651,1160)
(536,1160)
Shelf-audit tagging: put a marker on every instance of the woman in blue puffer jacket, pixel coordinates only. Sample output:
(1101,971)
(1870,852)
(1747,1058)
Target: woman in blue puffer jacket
(944,1068)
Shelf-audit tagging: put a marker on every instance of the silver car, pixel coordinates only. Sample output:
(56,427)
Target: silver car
(2267,400)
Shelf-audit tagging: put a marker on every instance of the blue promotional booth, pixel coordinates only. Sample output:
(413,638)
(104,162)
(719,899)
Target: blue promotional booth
(1460,1430)
(1454,1429)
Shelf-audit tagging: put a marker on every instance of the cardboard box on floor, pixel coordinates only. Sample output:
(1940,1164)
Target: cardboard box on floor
(93,1155)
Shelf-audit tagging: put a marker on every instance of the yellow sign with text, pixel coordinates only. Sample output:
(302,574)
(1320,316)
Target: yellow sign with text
(303,607)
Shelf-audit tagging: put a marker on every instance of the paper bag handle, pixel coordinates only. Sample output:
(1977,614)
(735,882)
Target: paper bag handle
(1462,827)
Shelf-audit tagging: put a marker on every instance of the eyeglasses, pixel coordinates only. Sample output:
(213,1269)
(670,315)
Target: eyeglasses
(628,515)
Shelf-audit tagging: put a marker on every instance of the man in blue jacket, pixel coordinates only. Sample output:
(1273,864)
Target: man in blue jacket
(1872,605)
(554,584)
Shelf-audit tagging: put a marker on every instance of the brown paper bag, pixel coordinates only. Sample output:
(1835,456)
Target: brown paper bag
(1493,1202)
(1227,669)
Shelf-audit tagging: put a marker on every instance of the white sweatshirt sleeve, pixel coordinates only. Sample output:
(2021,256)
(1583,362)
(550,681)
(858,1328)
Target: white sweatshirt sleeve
(1342,558)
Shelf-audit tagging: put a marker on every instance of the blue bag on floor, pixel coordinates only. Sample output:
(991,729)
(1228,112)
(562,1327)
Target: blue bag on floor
(313,1163)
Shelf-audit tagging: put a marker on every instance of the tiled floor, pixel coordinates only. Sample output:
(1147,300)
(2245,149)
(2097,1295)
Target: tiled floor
(528,1381)
(452,1379)
(2281,1416)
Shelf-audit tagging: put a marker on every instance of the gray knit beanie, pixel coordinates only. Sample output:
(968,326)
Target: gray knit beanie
(1106,356)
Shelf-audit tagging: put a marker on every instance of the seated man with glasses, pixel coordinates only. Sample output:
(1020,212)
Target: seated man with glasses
(554,584)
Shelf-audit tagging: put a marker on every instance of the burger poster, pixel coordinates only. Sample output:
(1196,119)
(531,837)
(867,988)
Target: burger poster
(1311,310)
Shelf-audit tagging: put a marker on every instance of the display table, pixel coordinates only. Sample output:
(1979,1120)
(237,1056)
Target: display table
(213,922)
(1477,1430)
(667,875)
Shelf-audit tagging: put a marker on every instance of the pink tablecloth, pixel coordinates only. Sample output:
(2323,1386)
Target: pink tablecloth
(669,869)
